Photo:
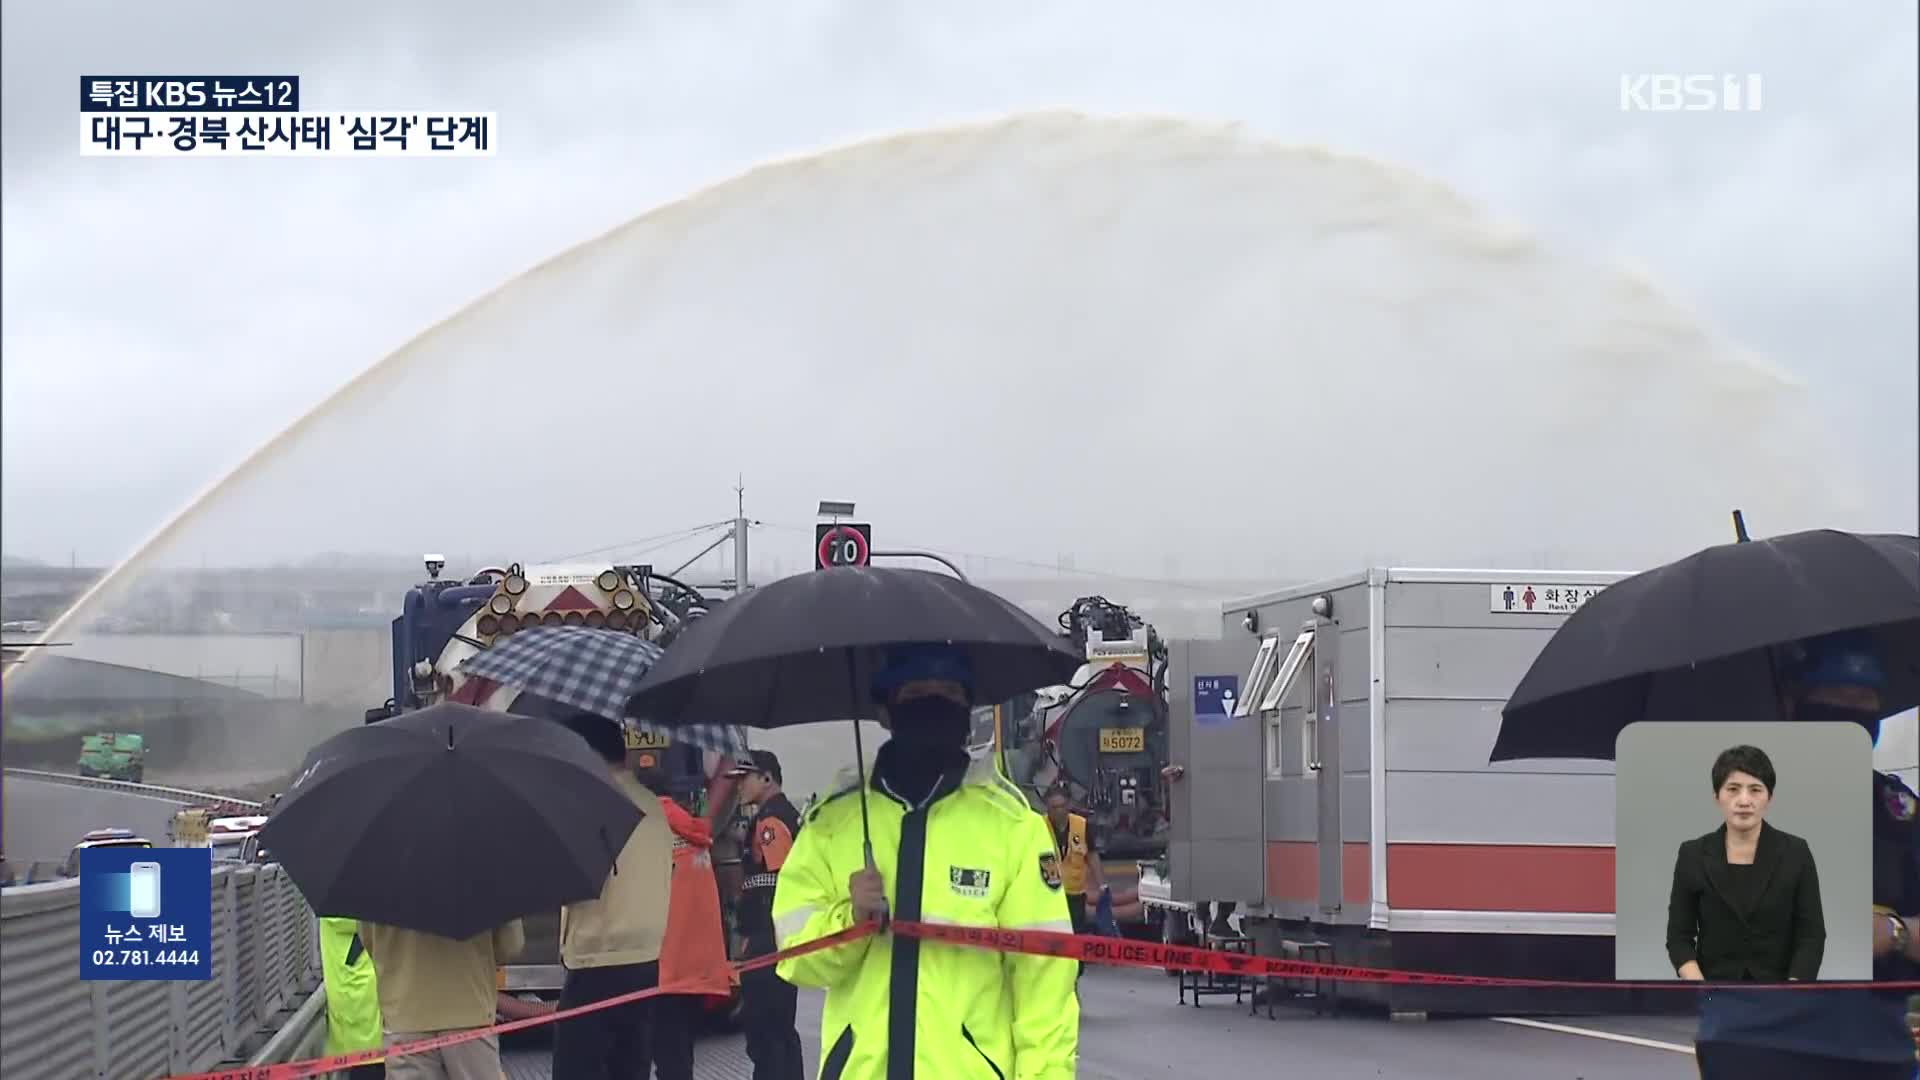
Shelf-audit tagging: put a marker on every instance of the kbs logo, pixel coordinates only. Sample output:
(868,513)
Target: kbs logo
(1689,93)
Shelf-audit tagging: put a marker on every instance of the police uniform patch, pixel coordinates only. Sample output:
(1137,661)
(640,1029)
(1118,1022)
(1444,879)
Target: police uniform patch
(1050,870)
(969,883)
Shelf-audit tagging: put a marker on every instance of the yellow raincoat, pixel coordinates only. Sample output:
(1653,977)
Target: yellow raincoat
(975,855)
(353,992)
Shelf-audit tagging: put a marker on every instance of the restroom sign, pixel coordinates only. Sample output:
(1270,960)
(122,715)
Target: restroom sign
(1214,698)
(1525,599)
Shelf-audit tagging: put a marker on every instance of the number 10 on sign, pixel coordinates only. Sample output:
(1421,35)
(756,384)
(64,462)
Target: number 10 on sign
(842,544)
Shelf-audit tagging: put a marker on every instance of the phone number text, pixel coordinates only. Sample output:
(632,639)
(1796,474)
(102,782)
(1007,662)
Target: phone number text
(145,957)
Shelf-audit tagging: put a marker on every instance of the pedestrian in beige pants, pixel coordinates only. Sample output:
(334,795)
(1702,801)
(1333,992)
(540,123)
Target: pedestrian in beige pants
(432,985)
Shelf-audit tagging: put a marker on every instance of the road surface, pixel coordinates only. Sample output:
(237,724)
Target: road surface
(1131,1028)
(44,819)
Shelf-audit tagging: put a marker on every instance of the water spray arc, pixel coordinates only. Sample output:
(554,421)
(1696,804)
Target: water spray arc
(1069,247)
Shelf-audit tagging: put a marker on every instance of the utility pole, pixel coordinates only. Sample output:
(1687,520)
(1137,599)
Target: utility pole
(740,585)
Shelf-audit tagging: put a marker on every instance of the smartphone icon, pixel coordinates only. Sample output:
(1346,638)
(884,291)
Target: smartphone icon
(143,890)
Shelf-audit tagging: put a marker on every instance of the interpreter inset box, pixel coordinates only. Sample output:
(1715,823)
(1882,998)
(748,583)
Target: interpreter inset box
(1744,850)
(146,914)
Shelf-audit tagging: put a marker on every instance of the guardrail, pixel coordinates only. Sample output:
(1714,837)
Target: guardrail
(37,872)
(53,1026)
(128,787)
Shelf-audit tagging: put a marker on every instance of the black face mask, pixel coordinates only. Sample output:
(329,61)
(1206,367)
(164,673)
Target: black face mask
(935,723)
(1820,712)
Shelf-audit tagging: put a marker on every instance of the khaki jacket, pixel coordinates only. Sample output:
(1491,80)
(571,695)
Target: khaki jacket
(629,920)
(431,983)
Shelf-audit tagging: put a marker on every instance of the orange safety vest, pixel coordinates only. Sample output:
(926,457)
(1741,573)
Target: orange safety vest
(695,949)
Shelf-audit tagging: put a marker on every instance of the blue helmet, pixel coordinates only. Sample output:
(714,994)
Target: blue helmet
(903,664)
(1845,658)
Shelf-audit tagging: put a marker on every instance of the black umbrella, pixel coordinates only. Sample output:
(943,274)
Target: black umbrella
(805,649)
(450,820)
(1705,638)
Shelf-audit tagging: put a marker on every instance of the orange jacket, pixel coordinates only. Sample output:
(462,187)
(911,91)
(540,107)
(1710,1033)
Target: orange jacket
(694,953)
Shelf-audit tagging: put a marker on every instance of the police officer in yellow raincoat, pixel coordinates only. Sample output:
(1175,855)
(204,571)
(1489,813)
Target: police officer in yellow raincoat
(353,995)
(954,842)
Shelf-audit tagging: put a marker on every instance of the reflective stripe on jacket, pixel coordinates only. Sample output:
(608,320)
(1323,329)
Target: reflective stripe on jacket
(977,855)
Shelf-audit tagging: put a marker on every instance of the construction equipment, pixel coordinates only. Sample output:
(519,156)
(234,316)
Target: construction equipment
(114,755)
(201,825)
(1104,735)
(443,622)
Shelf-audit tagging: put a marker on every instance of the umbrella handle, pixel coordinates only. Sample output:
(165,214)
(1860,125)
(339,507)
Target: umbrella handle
(886,915)
(859,763)
(866,830)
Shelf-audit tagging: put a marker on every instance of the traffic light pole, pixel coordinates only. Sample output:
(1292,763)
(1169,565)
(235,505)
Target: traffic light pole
(941,559)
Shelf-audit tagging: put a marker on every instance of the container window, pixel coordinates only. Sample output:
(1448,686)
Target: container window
(1280,692)
(1289,672)
(1265,666)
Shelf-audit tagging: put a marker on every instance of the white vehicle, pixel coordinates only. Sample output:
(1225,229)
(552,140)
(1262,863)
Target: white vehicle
(1336,784)
(227,836)
(102,838)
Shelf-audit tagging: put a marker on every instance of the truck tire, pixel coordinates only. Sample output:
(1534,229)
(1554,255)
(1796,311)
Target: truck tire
(137,773)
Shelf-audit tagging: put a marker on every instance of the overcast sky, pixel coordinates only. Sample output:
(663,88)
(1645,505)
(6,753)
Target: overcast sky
(165,317)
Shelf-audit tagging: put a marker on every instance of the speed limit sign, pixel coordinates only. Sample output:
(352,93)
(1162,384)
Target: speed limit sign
(842,545)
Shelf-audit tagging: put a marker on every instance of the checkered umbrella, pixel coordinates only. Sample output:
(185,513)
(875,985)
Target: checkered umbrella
(590,669)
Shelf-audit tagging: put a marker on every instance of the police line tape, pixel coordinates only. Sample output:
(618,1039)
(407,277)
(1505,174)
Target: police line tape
(1086,948)
(294,1070)
(1121,952)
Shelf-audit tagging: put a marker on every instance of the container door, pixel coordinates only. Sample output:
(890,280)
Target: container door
(1217,848)
(1325,747)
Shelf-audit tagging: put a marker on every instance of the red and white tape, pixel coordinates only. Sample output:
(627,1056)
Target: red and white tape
(1113,952)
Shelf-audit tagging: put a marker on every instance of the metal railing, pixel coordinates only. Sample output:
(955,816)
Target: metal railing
(53,1026)
(128,787)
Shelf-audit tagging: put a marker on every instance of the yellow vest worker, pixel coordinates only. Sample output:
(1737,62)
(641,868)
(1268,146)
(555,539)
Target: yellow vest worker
(973,854)
(353,993)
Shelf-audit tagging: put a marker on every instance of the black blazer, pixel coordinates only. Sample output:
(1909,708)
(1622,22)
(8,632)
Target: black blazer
(1784,935)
